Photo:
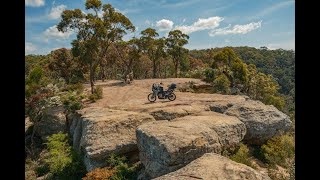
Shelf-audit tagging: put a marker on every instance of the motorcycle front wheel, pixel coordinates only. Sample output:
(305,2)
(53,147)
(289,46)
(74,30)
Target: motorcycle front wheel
(172,97)
(152,97)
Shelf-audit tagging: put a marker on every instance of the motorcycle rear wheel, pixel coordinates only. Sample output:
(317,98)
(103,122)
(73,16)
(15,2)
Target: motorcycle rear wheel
(172,97)
(151,97)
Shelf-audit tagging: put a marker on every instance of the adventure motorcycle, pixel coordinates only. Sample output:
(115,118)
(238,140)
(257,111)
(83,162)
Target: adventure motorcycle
(157,90)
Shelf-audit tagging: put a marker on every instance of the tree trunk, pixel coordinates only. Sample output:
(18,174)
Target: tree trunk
(91,78)
(103,74)
(154,68)
(176,69)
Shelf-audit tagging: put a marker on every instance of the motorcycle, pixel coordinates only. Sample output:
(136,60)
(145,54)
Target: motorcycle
(157,91)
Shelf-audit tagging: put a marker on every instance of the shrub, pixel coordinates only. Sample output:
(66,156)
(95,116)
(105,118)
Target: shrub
(122,169)
(198,74)
(62,161)
(72,101)
(59,153)
(42,170)
(242,155)
(97,94)
(78,87)
(99,173)
(279,150)
(209,75)
(222,84)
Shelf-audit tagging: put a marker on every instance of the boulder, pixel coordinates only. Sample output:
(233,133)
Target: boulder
(165,146)
(213,166)
(52,122)
(99,132)
(262,121)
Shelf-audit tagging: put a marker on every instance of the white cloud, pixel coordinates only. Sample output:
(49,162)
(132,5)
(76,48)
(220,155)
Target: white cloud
(34,3)
(56,11)
(236,29)
(164,25)
(52,32)
(29,48)
(201,24)
(184,20)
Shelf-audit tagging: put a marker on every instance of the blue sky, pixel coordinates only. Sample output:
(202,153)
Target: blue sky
(209,23)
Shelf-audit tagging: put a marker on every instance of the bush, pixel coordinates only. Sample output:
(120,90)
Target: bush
(209,75)
(279,150)
(99,173)
(72,101)
(62,161)
(78,87)
(198,74)
(242,155)
(122,169)
(97,94)
(222,84)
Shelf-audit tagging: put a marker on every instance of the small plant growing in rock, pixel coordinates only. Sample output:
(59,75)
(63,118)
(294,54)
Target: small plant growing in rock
(242,155)
(279,150)
(122,169)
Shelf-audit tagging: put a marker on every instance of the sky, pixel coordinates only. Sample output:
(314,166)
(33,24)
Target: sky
(209,23)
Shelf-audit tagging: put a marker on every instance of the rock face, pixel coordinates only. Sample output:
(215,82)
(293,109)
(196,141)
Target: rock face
(212,166)
(262,121)
(52,122)
(169,113)
(165,146)
(98,132)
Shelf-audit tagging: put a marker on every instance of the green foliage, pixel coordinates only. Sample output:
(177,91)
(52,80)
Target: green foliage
(59,152)
(175,42)
(242,155)
(279,150)
(66,66)
(35,76)
(222,84)
(42,170)
(123,171)
(62,161)
(72,101)
(95,34)
(78,88)
(209,75)
(97,94)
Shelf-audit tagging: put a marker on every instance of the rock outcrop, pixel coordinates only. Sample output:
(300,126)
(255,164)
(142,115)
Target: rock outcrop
(212,166)
(99,132)
(52,122)
(165,146)
(262,121)
(169,113)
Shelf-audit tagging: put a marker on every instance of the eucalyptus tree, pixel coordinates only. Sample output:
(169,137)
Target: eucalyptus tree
(96,30)
(175,42)
(153,47)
